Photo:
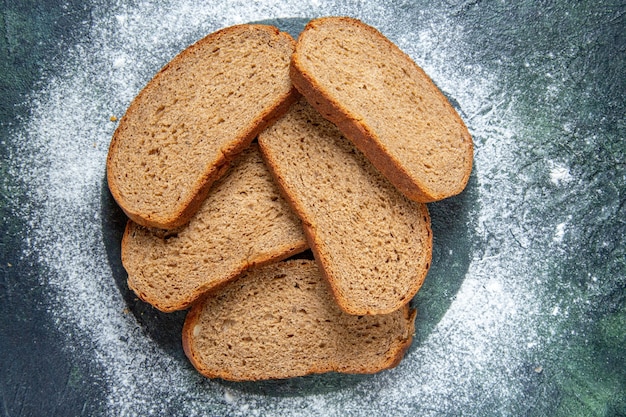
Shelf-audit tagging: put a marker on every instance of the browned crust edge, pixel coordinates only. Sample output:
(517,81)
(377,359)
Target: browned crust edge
(186,209)
(396,352)
(315,244)
(344,302)
(357,130)
(201,291)
(190,321)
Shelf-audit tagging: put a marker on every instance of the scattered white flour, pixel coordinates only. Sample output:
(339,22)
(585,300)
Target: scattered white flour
(560,174)
(559,233)
(482,343)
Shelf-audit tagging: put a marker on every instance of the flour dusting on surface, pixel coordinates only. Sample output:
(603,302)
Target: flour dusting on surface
(487,339)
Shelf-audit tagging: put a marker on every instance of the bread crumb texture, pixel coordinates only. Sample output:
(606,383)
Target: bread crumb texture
(201,109)
(373,243)
(281,321)
(243,222)
(386,104)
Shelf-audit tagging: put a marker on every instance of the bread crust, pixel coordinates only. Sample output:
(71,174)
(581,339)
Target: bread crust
(199,189)
(319,247)
(357,129)
(148,253)
(392,357)
(315,244)
(167,306)
(344,302)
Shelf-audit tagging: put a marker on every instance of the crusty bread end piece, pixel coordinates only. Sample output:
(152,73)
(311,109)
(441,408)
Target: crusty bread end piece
(281,321)
(387,105)
(244,222)
(373,244)
(199,111)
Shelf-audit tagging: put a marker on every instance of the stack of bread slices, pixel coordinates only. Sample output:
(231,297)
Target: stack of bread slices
(250,148)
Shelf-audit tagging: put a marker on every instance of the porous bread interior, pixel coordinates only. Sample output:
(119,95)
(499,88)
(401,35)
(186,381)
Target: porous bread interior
(373,243)
(381,88)
(281,321)
(244,221)
(193,114)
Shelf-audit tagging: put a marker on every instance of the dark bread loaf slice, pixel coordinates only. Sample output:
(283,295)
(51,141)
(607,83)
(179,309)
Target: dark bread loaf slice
(382,101)
(281,321)
(242,223)
(373,244)
(199,111)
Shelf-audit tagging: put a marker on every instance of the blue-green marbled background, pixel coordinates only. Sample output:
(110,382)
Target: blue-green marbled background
(580,122)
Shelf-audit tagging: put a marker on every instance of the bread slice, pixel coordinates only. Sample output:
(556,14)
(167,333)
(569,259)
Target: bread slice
(373,244)
(382,101)
(243,222)
(199,111)
(281,321)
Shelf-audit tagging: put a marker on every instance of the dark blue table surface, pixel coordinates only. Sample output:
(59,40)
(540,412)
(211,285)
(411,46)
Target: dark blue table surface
(522,313)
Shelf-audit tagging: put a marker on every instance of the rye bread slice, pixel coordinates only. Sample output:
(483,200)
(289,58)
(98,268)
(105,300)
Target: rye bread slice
(200,110)
(373,244)
(387,105)
(243,222)
(281,321)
